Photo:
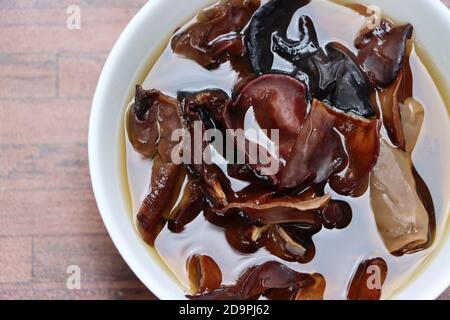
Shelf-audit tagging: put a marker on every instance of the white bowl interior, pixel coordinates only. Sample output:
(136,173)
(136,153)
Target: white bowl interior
(140,41)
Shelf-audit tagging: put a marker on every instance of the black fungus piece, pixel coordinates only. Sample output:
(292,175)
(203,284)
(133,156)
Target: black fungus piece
(307,46)
(273,17)
(331,73)
(382,52)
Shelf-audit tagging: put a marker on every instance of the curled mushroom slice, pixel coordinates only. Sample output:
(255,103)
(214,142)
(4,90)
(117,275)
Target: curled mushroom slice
(346,85)
(295,51)
(290,247)
(152,119)
(274,16)
(382,51)
(331,73)
(402,218)
(277,101)
(165,183)
(270,275)
(217,33)
(189,207)
(196,108)
(336,146)
(368,280)
(204,274)
(317,152)
(261,280)
(142,122)
(214,101)
(282,210)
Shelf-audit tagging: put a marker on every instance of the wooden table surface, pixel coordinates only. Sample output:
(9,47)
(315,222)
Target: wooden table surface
(48,216)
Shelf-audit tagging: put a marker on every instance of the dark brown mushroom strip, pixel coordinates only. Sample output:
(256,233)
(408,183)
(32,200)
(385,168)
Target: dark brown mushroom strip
(189,207)
(164,187)
(195,108)
(368,280)
(204,274)
(282,210)
(217,33)
(336,146)
(382,52)
(151,120)
(259,280)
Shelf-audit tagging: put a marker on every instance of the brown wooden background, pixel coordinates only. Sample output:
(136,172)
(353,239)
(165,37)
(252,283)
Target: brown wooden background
(48,216)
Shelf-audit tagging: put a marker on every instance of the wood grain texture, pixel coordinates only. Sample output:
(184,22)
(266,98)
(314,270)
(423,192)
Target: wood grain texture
(49,219)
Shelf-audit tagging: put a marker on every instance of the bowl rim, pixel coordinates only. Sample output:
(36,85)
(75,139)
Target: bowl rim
(432,289)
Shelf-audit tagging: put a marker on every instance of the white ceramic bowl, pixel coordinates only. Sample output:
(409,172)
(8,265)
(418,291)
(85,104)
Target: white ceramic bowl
(141,40)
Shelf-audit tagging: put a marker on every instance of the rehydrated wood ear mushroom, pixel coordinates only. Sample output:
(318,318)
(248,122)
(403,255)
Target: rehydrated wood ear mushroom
(204,274)
(401,215)
(368,280)
(165,183)
(150,122)
(217,33)
(263,280)
(287,247)
(336,146)
(189,207)
(382,52)
(331,73)
(273,16)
